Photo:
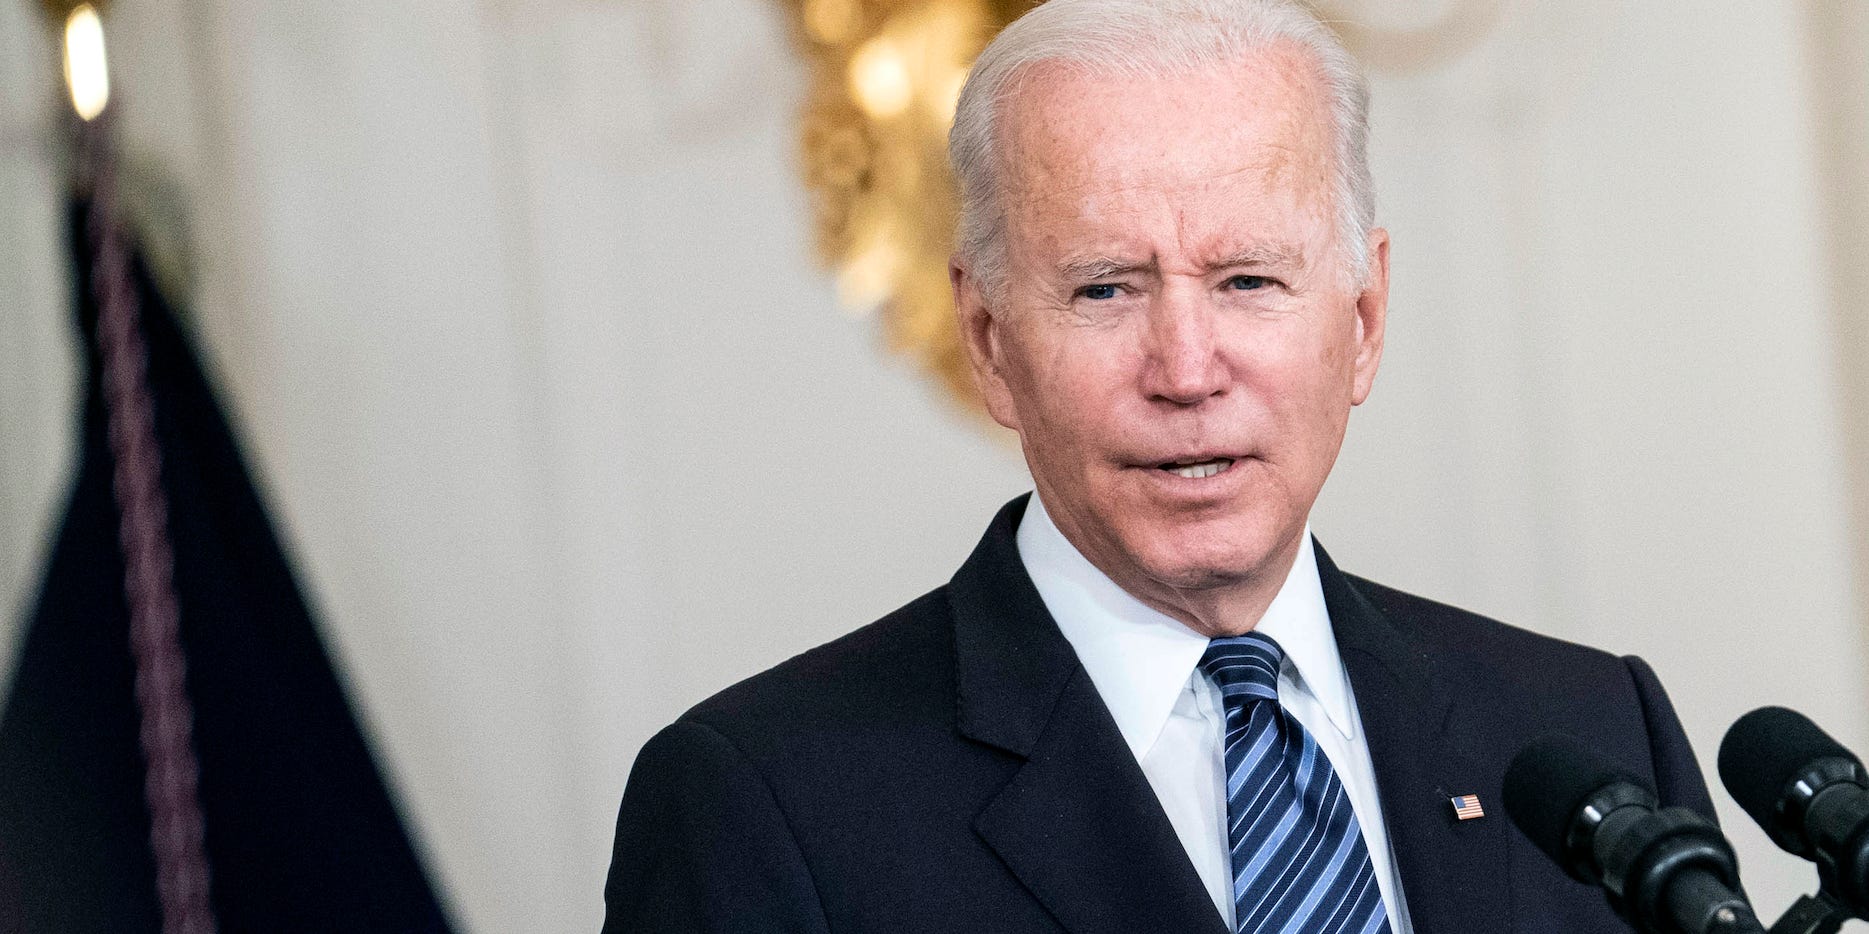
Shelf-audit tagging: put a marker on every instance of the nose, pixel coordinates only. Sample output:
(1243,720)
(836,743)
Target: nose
(1184,364)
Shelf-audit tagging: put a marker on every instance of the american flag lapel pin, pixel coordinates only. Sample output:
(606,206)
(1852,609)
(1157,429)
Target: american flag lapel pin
(1467,807)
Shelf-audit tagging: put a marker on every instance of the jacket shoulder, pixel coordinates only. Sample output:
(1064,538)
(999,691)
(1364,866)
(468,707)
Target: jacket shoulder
(896,670)
(1517,684)
(1522,682)
(1480,637)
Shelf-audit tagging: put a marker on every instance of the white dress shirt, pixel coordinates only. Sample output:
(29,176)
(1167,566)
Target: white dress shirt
(1143,663)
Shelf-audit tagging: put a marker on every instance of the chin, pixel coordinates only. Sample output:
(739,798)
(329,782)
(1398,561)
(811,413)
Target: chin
(1198,568)
(1212,553)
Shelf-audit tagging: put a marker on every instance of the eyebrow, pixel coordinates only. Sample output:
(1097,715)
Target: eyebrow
(1258,255)
(1098,267)
(1266,254)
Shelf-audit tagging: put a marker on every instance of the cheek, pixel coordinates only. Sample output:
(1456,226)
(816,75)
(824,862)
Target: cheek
(1069,380)
(1333,388)
(1305,380)
(1333,359)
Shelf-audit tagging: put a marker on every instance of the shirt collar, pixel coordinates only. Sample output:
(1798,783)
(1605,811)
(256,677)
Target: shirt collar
(1141,659)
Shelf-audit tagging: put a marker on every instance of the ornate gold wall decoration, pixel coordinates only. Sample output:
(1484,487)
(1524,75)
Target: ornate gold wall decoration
(884,78)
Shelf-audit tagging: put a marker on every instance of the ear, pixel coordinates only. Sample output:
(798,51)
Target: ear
(1372,316)
(981,328)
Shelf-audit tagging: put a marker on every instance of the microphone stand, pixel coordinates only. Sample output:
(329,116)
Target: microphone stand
(1812,914)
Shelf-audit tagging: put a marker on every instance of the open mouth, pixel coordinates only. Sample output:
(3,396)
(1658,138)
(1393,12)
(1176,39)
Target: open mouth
(1198,470)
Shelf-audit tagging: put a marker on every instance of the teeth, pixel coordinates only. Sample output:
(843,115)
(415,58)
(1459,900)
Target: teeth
(1202,470)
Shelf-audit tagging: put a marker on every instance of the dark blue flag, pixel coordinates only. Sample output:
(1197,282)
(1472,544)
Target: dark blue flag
(301,834)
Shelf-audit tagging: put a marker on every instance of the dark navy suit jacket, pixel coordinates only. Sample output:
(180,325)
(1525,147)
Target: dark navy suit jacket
(950,768)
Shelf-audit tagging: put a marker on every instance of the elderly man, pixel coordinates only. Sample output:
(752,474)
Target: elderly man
(1148,702)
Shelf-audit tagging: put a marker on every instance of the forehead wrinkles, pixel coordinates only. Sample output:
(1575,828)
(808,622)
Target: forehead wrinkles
(1079,144)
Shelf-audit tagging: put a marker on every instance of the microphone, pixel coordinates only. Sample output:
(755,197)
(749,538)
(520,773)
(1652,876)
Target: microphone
(1665,870)
(1808,792)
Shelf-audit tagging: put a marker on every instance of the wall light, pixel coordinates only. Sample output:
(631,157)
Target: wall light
(86,73)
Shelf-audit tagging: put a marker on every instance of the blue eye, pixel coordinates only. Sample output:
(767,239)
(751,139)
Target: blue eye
(1248,283)
(1098,293)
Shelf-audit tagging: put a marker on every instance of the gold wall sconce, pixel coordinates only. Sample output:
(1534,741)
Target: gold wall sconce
(884,77)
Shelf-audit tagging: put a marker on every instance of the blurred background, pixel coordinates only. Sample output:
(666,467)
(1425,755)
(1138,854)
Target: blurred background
(573,402)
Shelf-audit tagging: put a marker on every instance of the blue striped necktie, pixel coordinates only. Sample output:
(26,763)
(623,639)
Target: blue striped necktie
(1299,862)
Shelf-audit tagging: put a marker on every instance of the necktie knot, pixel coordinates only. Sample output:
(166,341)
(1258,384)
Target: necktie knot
(1245,668)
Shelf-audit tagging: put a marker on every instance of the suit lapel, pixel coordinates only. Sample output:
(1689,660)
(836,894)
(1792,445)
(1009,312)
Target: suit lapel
(1454,873)
(1078,824)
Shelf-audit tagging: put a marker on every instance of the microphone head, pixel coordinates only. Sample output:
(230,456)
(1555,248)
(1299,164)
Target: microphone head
(1763,752)
(1548,783)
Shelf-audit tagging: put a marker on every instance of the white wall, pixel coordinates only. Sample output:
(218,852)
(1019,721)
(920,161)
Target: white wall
(513,303)
(37,361)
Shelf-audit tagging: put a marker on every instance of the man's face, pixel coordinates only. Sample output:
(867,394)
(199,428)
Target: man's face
(1179,339)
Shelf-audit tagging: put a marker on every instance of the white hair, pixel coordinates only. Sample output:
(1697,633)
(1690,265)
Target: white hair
(1152,38)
